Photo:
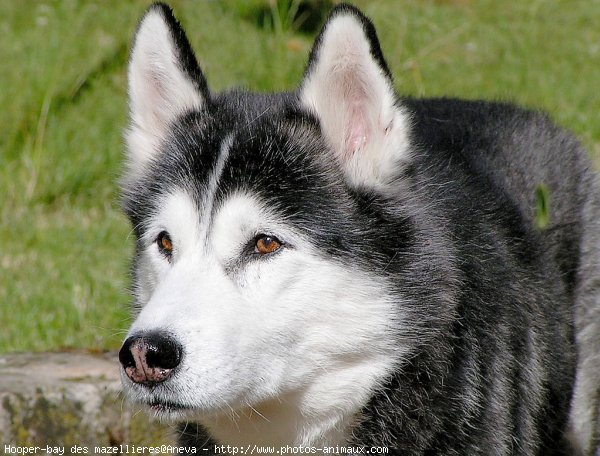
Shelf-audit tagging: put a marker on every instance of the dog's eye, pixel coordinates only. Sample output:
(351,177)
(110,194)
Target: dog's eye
(266,244)
(165,245)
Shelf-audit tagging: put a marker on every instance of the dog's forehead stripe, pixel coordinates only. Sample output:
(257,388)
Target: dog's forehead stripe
(217,171)
(207,200)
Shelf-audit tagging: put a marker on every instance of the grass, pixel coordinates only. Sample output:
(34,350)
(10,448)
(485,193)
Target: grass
(66,246)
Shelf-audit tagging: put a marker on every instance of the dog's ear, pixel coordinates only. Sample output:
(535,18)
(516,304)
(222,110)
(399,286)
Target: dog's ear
(348,86)
(165,81)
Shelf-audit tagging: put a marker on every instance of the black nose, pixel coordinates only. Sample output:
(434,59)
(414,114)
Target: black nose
(149,358)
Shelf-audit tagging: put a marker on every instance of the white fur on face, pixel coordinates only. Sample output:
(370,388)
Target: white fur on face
(159,90)
(355,102)
(282,349)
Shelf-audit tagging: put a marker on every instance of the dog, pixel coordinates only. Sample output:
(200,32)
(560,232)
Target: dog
(342,267)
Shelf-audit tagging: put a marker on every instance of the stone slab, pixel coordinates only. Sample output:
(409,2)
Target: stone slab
(68,399)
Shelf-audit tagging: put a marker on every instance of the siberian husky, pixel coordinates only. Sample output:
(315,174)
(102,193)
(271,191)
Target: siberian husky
(342,267)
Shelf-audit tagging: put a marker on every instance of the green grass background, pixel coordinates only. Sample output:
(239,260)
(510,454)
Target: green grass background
(64,245)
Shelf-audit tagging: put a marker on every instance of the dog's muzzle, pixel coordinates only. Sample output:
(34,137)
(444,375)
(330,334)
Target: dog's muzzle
(149,358)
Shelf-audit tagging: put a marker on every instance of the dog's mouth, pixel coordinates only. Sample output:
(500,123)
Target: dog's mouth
(168,409)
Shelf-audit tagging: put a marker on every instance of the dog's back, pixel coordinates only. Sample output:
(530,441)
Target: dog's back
(524,158)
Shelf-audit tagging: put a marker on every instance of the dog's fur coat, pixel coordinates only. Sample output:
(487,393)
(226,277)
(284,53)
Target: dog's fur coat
(414,301)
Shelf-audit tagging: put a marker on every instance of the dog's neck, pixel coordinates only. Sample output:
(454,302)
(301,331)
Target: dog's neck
(276,423)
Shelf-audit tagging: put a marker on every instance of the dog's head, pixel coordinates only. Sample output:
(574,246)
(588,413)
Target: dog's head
(265,235)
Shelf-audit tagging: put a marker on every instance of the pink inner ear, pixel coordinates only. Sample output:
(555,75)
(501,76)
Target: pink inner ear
(357,129)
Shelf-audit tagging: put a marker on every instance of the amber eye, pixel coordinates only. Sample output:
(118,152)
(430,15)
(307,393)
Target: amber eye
(267,244)
(165,245)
